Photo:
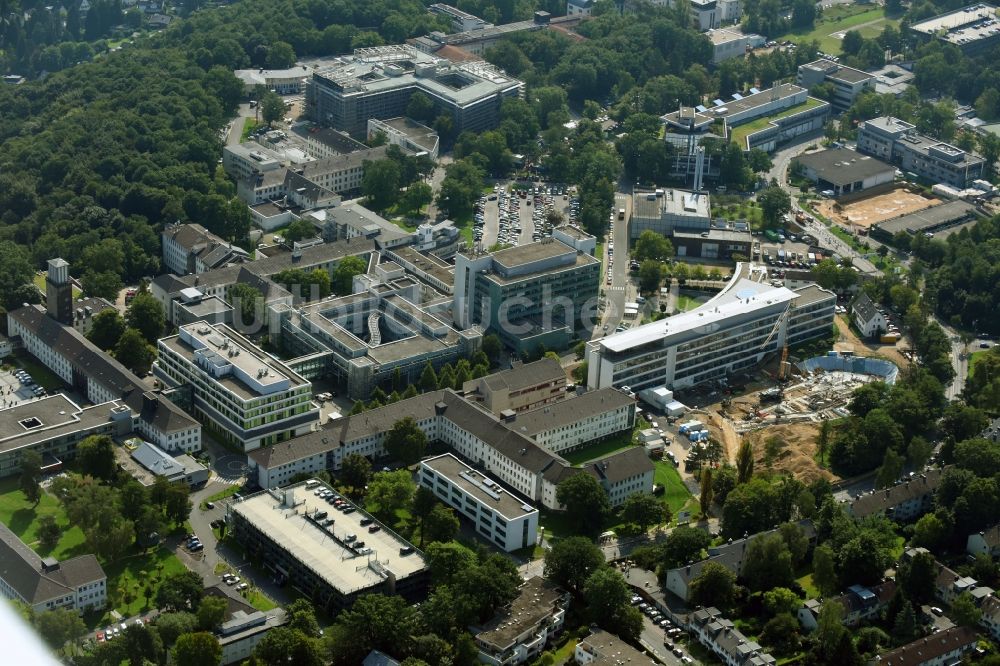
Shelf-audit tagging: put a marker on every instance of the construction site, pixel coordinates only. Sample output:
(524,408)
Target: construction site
(867,210)
(790,405)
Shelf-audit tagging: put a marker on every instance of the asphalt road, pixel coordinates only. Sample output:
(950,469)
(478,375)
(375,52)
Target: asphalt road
(617,292)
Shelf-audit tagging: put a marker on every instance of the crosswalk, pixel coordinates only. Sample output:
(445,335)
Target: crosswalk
(620,288)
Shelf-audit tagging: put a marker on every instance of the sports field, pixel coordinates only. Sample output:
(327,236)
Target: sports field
(830,28)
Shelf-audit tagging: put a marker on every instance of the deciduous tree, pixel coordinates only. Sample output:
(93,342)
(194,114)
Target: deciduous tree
(405,442)
(571,561)
(585,501)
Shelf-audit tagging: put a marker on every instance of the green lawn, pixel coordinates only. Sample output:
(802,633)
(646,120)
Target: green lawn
(599,449)
(222,494)
(974,358)
(685,302)
(739,134)
(249,125)
(45,377)
(131,576)
(829,29)
(806,582)
(676,494)
(17,513)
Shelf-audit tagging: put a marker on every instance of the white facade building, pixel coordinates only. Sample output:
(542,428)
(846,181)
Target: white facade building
(521,631)
(732,332)
(253,399)
(570,424)
(505,520)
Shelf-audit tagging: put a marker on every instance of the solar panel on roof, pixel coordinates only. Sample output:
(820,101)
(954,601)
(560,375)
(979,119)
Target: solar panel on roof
(754,91)
(700,109)
(717,102)
(737,96)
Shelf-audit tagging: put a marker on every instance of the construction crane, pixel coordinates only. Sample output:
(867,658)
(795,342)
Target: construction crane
(784,361)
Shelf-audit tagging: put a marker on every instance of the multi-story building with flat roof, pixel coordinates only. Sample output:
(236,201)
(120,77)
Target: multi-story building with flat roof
(730,43)
(540,293)
(332,555)
(972,29)
(502,518)
(603,649)
(732,332)
(252,398)
(519,389)
(665,210)
(46,584)
(847,82)
(378,83)
(520,632)
(897,141)
(461,21)
(282,81)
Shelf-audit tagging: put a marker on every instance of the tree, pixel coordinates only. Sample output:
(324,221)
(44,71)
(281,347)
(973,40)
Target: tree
(964,611)
(31,469)
(343,275)
(744,461)
(460,188)
(197,649)
(377,622)
(768,563)
(440,525)
(416,197)
(380,183)
(781,634)
(280,55)
(930,532)
(824,570)
(249,302)
(428,378)
(607,596)
(723,481)
(180,591)
(59,626)
(642,509)
(390,491)
(650,275)
(298,230)
(105,329)
(781,600)
(750,508)
(302,616)
(134,352)
(705,499)
(405,442)
(96,456)
(48,531)
(178,502)
(15,271)
(355,471)
(571,561)
(796,540)
(420,107)
(889,472)
(272,108)
(211,612)
(654,246)
(823,441)
(145,314)
(172,625)
(916,577)
(715,585)
(905,626)
(584,501)
(684,545)
(774,203)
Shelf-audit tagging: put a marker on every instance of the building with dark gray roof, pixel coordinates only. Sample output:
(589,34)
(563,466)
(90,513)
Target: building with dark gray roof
(475,436)
(519,389)
(938,221)
(576,421)
(943,647)
(902,502)
(46,584)
(845,171)
(869,318)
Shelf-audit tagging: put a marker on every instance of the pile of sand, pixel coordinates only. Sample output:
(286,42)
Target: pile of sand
(797,458)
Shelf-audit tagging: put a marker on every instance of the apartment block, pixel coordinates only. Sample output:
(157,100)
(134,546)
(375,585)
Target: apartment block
(729,644)
(46,584)
(601,648)
(520,632)
(897,142)
(730,333)
(540,293)
(252,399)
(500,517)
(331,554)
(519,389)
(378,83)
(847,82)
(902,502)
(942,648)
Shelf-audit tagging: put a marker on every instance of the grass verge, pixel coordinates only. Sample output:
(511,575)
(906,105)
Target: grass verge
(221,495)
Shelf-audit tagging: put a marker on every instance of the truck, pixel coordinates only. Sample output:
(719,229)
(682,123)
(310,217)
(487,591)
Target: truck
(771,235)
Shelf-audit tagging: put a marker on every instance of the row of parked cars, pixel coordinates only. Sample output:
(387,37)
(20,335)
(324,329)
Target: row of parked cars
(231,579)
(116,630)
(671,632)
(194,544)
(28,382)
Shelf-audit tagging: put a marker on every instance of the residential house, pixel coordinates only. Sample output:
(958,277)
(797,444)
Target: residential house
(603,649)
(520,632)
(943,648)
(859,602)
(986,542)
(720,635)
(869,318)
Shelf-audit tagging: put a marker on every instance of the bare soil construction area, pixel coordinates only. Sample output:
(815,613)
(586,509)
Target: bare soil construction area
(872,210)
(798,456)
(849,341)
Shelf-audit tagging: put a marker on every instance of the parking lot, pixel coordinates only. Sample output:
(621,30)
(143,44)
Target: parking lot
(16,387)
(517,217)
